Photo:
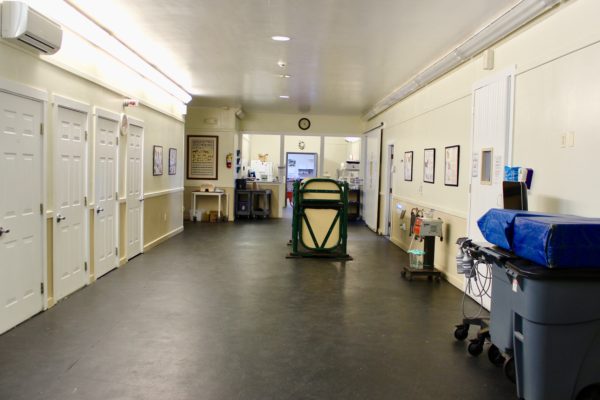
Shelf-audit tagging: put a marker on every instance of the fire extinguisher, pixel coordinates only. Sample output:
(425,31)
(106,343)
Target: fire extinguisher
(229,159)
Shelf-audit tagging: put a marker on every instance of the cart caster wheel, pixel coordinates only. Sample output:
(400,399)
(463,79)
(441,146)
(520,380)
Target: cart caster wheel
(461,332)
(509,369)
(403,273)
(475,349)
(590,393)
(495,356)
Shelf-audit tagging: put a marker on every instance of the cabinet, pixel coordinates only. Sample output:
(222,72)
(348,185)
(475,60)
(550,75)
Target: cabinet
(354,205)
(253,203)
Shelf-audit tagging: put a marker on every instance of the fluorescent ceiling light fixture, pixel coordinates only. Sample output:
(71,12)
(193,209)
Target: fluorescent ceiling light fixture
(352,139)
(284,96)
(280,38)
(510,21)
(285,76)
(74,20)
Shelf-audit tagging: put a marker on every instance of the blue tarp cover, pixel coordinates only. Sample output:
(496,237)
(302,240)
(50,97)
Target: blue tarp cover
(559,241)
(497,225)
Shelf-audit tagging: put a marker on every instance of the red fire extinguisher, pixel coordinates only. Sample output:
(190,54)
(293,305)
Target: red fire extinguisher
(229,160)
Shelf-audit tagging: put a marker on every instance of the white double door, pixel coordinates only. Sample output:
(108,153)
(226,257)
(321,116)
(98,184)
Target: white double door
(69,206)
(370,195)
(134,190)
(106,201)
(491,150)
(490,144)
(21,216)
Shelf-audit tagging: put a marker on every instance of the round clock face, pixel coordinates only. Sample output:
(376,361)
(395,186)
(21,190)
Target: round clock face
(304,123)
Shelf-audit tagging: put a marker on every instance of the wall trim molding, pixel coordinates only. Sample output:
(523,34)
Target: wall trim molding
(200,131)
(303,133)
(165,192)
(449,211)
(163,238)
(112,88)
(455,281)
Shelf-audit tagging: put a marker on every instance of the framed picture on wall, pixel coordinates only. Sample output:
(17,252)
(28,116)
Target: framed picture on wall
(429,166)
(202,157)
(451,162)
(172,161)
(157,157)
(408,165)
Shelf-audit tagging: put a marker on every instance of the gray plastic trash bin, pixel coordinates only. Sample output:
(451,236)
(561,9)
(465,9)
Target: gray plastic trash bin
(501,314)
(555,327)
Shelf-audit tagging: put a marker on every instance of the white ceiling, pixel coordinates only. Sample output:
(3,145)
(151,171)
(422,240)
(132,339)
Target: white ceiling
(344,55)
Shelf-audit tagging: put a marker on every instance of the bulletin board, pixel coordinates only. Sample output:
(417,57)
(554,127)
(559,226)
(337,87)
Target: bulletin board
(202,157)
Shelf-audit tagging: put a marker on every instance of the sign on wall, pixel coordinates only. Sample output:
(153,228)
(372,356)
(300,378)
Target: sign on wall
(202,157)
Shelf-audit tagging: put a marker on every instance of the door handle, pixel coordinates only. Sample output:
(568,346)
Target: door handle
(3,231)
(60,218)
(99,210)
(141,200)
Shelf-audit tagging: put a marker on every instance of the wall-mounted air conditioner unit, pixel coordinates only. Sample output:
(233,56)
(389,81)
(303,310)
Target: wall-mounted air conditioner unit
(23,25)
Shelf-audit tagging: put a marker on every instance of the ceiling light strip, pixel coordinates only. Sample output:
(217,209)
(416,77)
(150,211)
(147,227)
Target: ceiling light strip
(513,19)
(133,60)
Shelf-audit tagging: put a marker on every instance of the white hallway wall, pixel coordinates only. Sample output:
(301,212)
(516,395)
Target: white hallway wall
(557,60)
(163,211)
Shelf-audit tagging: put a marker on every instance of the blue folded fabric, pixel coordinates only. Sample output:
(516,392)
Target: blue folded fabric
(558,242)
(497,225)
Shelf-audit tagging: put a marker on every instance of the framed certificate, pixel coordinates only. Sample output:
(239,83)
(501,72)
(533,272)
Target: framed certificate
(429,166)
(408,165)
(202,157)
(172,161)
(157,157)
(451,165)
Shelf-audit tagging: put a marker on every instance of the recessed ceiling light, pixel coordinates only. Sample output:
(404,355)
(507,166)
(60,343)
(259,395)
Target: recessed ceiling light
(280,38)
(285,76)
(283,96)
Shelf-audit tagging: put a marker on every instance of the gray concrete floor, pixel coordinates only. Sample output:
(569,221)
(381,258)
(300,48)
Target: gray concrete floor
(219,313)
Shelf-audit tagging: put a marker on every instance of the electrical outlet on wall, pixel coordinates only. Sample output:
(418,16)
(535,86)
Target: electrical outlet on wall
(570,139)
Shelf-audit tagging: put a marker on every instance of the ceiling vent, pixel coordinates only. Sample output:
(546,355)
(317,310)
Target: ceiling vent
(23,25)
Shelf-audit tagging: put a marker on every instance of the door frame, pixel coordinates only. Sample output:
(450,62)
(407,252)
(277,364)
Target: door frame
(508,73)
(389,184)
(116,117)
(82,107)
(140,124)
(29,92)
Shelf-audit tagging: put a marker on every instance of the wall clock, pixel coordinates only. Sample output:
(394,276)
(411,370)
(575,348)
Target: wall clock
(304,123)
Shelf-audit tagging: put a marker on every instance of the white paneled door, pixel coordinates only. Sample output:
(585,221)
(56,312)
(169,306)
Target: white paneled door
(21,265)
(492,119)
(105,212)
(134,191)
(69,207)
(490,144)
(372,170)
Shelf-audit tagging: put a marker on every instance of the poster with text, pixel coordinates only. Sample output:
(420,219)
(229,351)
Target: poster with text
(202,160)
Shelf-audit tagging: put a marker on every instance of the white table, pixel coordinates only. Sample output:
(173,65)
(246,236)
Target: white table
(218,194)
